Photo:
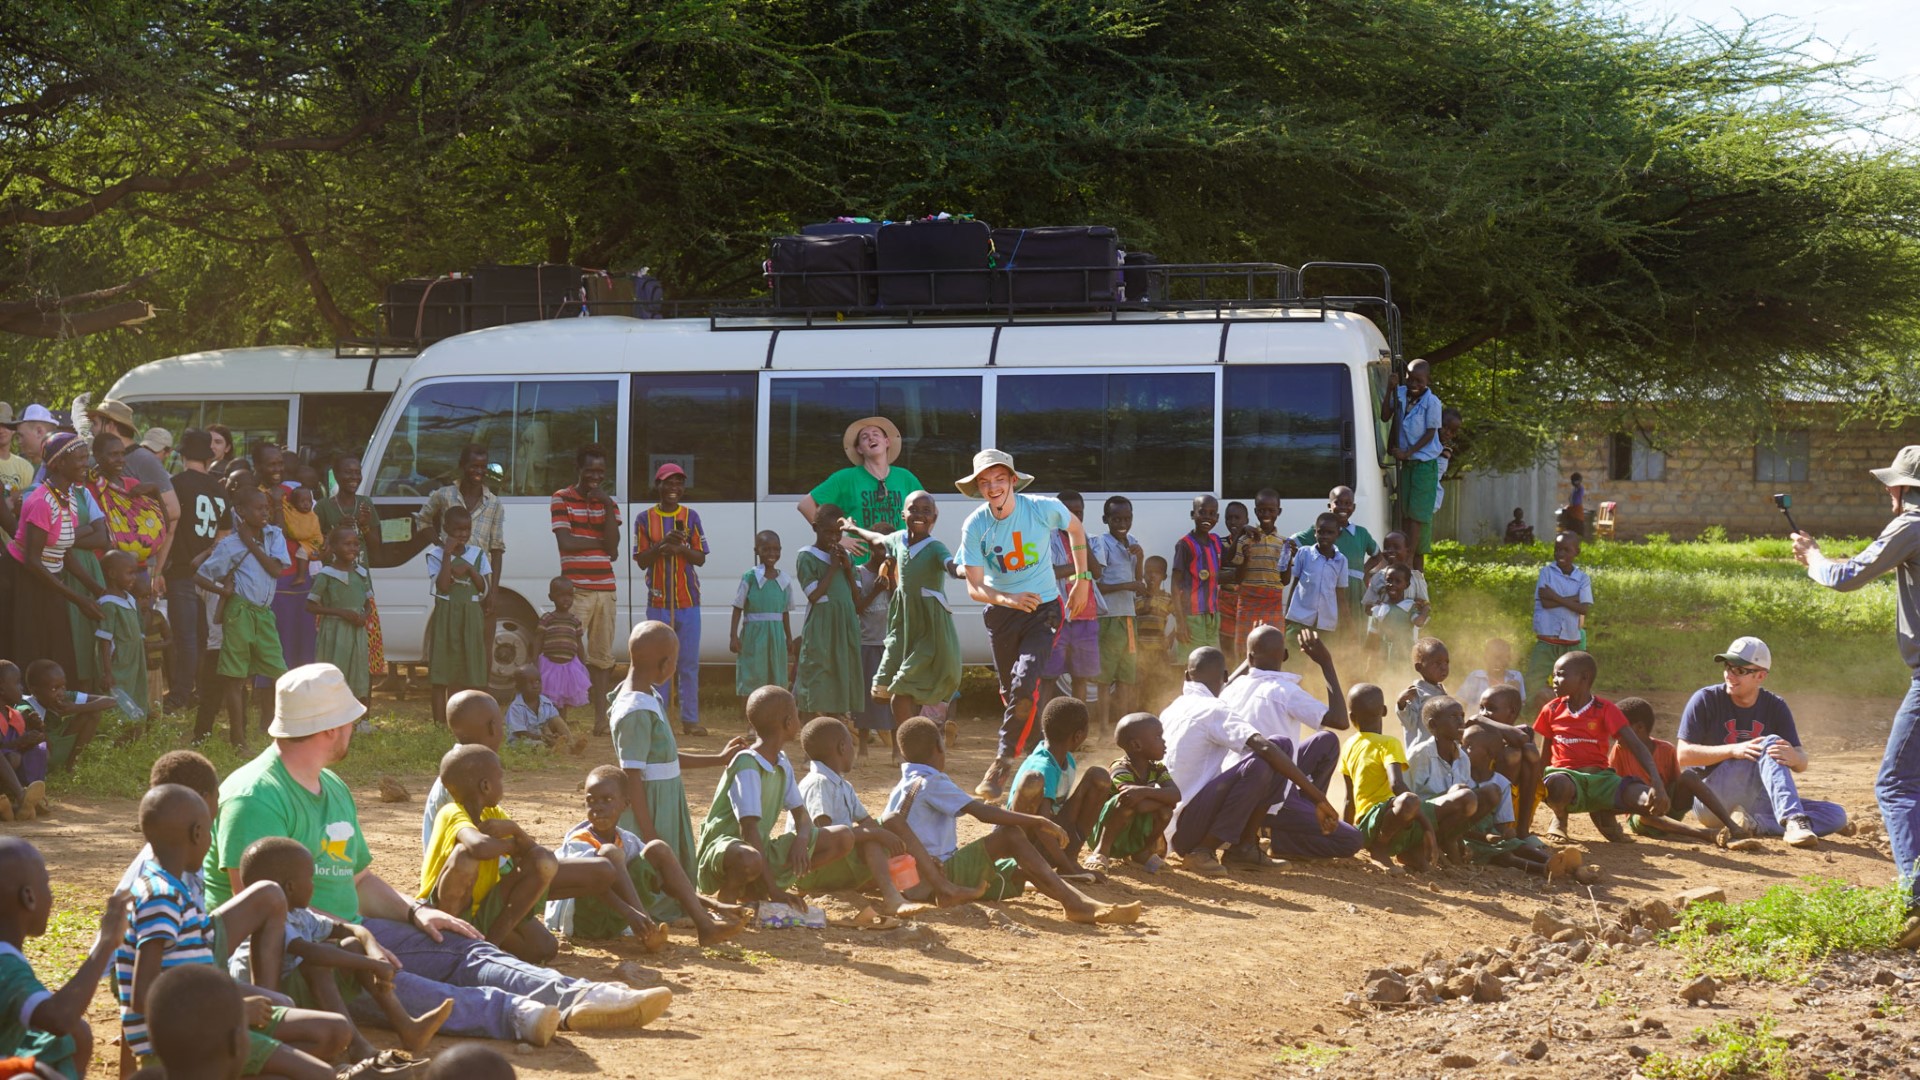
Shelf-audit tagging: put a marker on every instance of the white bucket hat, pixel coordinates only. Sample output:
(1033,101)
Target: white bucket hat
(969,484)
(1905,470)
(311,699)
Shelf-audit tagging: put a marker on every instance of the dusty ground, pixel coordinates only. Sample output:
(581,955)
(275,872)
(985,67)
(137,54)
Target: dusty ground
(1218,979)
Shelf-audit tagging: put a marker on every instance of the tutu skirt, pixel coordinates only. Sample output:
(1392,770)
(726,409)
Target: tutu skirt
(565,682)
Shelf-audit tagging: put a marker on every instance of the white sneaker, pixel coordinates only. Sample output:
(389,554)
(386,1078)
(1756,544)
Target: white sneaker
(1800,832)
(604,1006)
(535,1022)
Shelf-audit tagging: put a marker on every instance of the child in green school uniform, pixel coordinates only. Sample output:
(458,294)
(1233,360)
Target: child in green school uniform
(342,591)
(457,630)
(647,751)
(121,641)
(829,679)
(762,625)
(921,665)
(244,567)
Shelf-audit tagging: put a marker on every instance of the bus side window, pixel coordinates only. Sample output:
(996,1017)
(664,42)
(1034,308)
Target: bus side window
(439,421)
(1132,432)
(332,425)
(938,417)
(251,421)
(702,422)
(1288,427)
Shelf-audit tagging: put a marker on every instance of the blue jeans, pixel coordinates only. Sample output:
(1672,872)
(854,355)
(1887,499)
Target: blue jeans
(484,981)
(189,638)
(686,678)
(1767,790)
(1898,788)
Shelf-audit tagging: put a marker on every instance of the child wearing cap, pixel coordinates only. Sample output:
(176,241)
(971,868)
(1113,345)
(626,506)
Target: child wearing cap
(669,545)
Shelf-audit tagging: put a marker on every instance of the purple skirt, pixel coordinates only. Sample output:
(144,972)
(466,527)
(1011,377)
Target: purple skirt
(566,683)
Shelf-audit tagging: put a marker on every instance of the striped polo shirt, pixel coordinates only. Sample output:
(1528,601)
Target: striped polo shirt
(583,518)
(168,909)
(1196,571)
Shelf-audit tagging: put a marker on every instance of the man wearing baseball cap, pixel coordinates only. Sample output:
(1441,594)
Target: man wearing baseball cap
(669,545)
(16,472)
(1741,736)
(1897,548)
(288,790)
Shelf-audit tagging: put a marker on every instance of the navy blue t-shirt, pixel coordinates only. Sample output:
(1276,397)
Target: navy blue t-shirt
(1712,719)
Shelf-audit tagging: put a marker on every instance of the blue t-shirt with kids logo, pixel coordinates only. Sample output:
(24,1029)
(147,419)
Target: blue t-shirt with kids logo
(1016,551)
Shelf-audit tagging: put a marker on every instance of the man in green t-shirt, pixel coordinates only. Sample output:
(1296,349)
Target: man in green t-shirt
(290,791)
(872,490)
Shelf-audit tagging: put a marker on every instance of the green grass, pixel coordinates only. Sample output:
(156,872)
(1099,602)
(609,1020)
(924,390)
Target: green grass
(398,745)
(1782,934)
(1310,1056)
(1661,610)
(1735,1052)
(56,954)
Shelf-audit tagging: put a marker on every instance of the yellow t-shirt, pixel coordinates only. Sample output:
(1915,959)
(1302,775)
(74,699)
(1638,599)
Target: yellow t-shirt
(440,847)
(1364,763)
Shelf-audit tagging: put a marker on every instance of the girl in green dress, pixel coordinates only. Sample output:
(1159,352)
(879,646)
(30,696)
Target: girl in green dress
(456,631)
(339,597)
(348,507)
(922,661)
(830,675)
(761,625)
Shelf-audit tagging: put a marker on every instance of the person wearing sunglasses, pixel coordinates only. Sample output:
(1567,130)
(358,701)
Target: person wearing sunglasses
(1741,738)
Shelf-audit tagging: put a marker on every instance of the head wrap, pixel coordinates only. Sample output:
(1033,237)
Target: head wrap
(57,444)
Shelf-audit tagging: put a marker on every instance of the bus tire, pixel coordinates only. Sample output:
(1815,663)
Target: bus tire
(511,640)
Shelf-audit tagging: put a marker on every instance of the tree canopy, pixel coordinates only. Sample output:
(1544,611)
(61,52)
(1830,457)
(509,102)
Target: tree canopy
(1572,206)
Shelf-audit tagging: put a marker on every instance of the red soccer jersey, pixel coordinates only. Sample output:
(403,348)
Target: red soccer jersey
(1582,739)
(1666,758)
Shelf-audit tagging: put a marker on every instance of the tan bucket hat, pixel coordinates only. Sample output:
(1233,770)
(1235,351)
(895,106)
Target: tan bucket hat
(1905,470)
(311,699)
(116,411)
(969,484)
(881,422)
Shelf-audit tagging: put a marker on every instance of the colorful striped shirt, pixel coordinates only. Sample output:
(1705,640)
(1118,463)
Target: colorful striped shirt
(169,909)
(561,635)
(1196,572)
(670,571)
(582,518)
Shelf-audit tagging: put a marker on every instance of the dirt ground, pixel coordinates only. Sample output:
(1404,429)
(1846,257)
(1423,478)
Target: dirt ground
(1226,979)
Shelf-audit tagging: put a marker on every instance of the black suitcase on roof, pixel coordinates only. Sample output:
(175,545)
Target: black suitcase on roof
(1059,266)
(831,273)
(934,263)
(526,293)
(427,309)
(841,228)
(1145,281)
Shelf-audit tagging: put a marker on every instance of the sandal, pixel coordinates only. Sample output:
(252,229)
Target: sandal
(384,1063)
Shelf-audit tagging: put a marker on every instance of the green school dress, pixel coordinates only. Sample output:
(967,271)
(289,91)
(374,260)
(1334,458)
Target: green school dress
(643,741)
(82,563)
(830,674)
(122,627)
(922,660)
(457,630)
(763,602)
(722,827)
(337,641)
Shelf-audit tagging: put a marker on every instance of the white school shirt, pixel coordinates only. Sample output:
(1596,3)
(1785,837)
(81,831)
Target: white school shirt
(1476,683)
(1413,729)
(1376,590)
(1201,732)
(829,795)
(1431,776)
(745,789)
(1317,581)
(935,809)
(1559,623)
(1274,704)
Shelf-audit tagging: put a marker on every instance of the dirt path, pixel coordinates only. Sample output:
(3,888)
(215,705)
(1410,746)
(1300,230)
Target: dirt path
(1216,979)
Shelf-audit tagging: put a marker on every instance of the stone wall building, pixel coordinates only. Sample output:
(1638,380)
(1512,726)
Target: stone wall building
(1681,487)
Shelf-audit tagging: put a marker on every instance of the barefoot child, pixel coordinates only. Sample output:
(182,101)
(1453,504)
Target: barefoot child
(69,721)
(562,645)
(1510,749)
(1578,729)
(172,927)
(340,600)
(319,946)
(120,640)
(1493,838)
(197,1025)
(670,545)
(762,624)
(46,1028)
(532,716)
(995,866)
(662,884)
(1394,821)
(1151,612)
(644,744)
(921,663)
(1046,783)
(1441,767)
(1133,823)
(459,573)
(1683,788)
(1196,578)
(829,679)
(244,568)
(832,803)
(740,858)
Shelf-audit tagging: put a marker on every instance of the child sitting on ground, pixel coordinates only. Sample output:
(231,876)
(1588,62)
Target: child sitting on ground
(740,858)
(172,927)
(997,864)
(829,677)
(23,751)
(69,721)
(762,625)
(1395,822)
(318,946)
(342,591)
(1683,788)
(1578,730)
(562,645)
(45,1031)
(1495,670)
(1442,764)
(1394,622)
(1433,664)
(1518,531)
(533,717)
(665,890)
(1133,822)
(831,802)
(471,1061)
(474,718)
(121,642)
(1046,784)
(197,1025)
(1509,749)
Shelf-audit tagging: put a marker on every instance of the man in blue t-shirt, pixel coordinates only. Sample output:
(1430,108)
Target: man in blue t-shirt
(1742,738)
(1005,550)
